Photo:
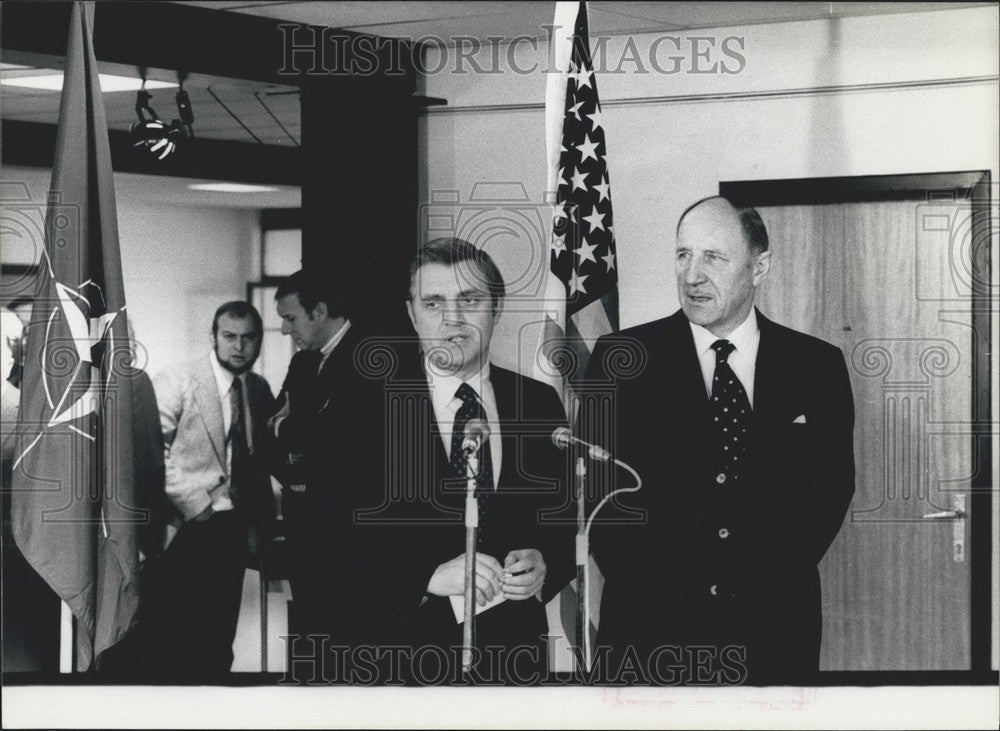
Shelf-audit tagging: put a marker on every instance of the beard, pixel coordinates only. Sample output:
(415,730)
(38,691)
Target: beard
(237,368)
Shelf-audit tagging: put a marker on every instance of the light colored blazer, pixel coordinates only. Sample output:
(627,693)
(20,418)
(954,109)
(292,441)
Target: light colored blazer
(194,433)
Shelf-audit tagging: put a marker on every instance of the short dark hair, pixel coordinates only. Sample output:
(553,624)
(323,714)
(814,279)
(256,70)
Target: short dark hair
(312,290)
(451,251)
(238,309)
(754,231)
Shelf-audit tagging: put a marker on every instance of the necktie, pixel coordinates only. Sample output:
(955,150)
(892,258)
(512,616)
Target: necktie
(238,441)
(731,415)
(472,409)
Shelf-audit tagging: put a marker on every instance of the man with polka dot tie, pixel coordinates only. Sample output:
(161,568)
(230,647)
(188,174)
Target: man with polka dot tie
(711,569)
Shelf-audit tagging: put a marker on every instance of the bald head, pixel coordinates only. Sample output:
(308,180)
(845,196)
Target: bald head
(722,258)
(754,231)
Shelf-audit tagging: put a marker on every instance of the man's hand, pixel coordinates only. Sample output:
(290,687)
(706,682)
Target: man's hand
(274,423)
(449,578)
(524,574)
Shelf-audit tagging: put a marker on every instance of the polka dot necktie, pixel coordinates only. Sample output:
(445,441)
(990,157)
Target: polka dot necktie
(731,415)
(472,409)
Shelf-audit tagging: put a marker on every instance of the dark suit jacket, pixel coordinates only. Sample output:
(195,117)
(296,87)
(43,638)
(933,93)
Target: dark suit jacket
(408,515)
(323,402)
(672,577)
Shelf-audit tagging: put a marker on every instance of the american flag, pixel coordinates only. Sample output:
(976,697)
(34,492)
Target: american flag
(582,289)
(583,258)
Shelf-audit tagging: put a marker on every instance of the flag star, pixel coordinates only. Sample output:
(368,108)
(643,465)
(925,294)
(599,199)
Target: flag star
(587,148)
(576,283)
(609,260)
(560,178)
(595,118)
(596,220)
(575,111)
(582,77)
(562,211)
(558,244)
(579,180)
(585,252)
(602,188)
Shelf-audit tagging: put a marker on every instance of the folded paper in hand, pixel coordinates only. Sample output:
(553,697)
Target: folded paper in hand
(458,606)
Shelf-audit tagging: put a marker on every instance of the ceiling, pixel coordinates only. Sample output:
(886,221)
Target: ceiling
(160,189)
(246,111)
(268,113)
(485,20)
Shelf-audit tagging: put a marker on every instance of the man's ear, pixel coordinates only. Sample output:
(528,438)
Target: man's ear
(497,310)
(320,311)
(409,313)
(761,266)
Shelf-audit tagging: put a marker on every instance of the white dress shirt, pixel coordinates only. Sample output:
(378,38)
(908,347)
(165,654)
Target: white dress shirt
(333,342)
(446,406)
(224,382)
(743,359)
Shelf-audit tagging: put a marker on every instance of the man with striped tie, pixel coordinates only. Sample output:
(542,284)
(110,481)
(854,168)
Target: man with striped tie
(411,535)
(743,432)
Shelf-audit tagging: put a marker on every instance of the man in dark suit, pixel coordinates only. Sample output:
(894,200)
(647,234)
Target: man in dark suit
(320,379)
(409,529)
(218,455)
(743,433)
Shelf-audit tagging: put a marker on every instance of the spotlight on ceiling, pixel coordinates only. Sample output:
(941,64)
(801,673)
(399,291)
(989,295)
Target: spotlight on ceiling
(153,135)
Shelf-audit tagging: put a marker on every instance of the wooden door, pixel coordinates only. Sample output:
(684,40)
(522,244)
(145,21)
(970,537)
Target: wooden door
(879,279)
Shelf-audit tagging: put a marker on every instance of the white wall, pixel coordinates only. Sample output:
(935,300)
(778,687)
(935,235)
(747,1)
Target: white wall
(895,94)
(179,263)
(935,110)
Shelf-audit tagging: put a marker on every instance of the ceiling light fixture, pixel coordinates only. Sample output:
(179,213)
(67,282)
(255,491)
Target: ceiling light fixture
(53,81)
(233,188)
(151,134)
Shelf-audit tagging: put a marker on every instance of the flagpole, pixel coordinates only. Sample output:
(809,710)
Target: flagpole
(67,640)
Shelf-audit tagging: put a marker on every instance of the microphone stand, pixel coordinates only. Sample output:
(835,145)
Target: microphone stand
(563,438)
(471,529)
(582,559)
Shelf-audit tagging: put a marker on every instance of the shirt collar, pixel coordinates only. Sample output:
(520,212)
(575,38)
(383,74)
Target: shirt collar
(443,387)
(742,337)
(335,339)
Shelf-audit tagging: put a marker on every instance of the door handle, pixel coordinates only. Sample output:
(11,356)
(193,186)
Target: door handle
(957,515)
(945,515)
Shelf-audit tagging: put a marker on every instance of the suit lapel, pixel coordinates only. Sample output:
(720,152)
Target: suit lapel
(767,382)
(423,419)
(207,395)
(504,392)
(690,380)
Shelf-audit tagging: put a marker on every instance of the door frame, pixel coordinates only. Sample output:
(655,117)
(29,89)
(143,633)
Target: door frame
(973,186)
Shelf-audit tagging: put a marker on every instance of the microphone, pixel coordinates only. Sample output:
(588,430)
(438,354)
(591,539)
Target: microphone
(563,437)
(476,432)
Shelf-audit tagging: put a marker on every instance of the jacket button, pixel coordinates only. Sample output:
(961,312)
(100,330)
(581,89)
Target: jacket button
(221,479)
(723,533)
(720,478)
(713,589)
